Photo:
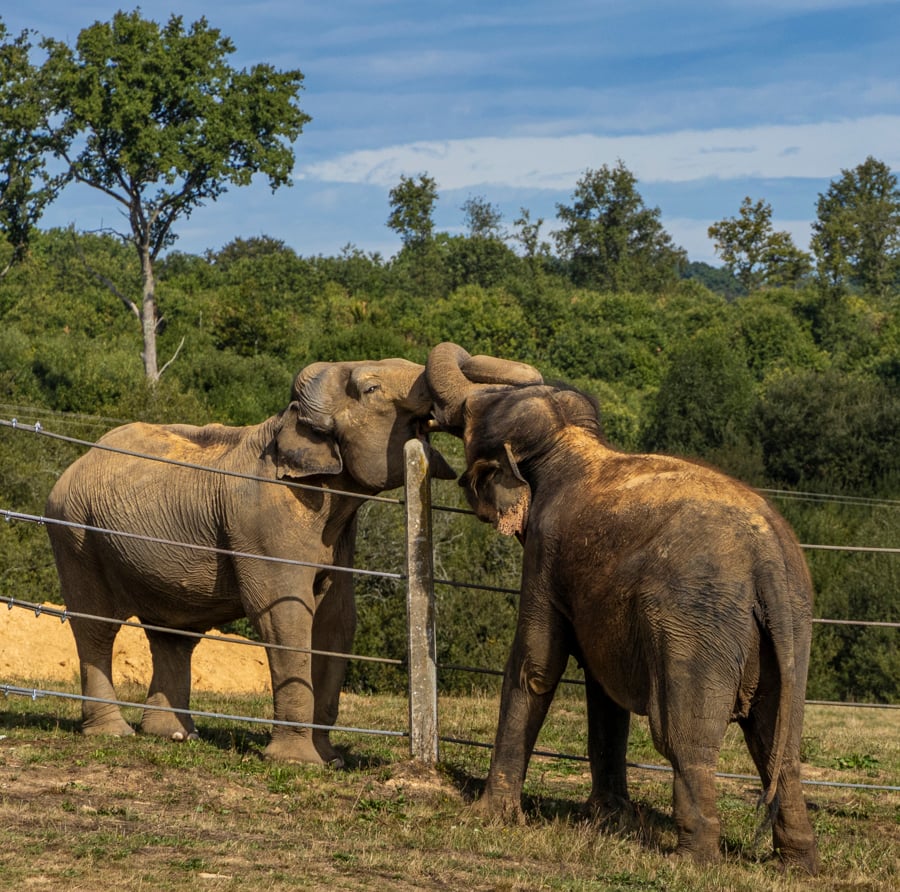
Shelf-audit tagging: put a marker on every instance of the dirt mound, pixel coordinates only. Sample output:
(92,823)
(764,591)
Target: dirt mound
(41,648)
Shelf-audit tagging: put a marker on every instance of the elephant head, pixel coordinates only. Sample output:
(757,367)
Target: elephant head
(507,417)
(354,418)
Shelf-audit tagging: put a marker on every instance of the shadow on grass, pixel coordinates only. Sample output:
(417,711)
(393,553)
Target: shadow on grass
(639,821)
(243,741)
(38,721)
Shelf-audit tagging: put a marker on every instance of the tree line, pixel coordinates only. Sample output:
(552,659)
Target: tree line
(781,367)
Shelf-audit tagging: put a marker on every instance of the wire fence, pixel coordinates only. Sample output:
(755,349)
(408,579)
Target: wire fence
(63,614)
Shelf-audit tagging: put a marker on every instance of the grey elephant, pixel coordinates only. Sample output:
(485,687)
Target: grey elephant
(343,432)
(682,593)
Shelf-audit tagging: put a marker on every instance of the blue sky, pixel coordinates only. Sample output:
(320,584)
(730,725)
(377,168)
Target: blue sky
(705,102)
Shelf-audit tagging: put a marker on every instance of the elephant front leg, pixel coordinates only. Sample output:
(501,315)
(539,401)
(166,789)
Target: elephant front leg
(532,673)
(94,643)
(608,725)
(170,687)
(288,623)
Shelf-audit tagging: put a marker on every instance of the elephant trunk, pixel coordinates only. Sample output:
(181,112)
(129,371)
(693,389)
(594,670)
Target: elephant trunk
(453,375)
(310,390)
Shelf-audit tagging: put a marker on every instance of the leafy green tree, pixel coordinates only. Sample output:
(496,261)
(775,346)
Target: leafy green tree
(856,235)
(715,278)
(527,233)
(57,292)
(420,260)
(26,186)
(774,338)
(362,275)
(482,257)
(484,320)
(830,430)
(412,209)
(612,240)
(484,261)
(483,219)
(754,252)
(705,399)
(852,662)
(614,338)
(155,118)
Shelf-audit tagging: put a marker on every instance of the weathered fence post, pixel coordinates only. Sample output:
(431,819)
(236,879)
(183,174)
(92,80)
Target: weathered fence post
(423,724)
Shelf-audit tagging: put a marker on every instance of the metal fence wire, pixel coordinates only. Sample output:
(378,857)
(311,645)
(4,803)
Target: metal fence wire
(419,580)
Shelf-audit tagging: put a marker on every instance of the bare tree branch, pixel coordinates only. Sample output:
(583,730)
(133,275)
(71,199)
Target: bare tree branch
(172,359)
(129,303)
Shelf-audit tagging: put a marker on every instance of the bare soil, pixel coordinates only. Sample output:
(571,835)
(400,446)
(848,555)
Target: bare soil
(42,647)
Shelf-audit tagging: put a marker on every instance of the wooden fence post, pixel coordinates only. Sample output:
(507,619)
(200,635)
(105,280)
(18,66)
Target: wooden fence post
(423,723)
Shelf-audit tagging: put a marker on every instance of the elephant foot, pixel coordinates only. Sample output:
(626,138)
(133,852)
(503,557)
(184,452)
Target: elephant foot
(500,809)
(612,810)
(112,727)
(794,840)
(162,724)
(706,853)
(294,748)
(802,859)
(329,755)
(181,736)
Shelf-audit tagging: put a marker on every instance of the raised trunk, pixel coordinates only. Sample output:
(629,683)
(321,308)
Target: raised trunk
(452,375)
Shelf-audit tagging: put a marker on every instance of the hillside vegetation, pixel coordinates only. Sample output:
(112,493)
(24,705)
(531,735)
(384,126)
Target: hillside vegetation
(793,389)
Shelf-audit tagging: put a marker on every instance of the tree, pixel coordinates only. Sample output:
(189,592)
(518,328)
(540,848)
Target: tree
(715,278)
(856,236)
(528,234)
(483,219)
(705,399)
(156,119)
(26,186)
(830,430)
(412,208)
(754,252)
(614,242)
(420,260)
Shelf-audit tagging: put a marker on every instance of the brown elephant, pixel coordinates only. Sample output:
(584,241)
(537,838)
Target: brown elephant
(343,432)
(682,593)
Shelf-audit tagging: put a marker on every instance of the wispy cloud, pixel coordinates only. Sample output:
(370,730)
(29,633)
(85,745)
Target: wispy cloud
(810,150)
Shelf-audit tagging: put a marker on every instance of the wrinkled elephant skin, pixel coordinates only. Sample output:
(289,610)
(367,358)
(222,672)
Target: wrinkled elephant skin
(343,431)
(682,593)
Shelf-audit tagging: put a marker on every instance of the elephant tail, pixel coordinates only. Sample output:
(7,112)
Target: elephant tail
(774,598)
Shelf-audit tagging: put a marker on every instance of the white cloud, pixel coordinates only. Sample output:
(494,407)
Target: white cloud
(803,150)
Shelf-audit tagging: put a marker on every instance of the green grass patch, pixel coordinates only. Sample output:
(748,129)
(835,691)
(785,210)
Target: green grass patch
(141,811)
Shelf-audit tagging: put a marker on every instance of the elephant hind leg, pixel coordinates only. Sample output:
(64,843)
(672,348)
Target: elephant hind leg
(792,834)
(688,728)
(170,687)
(694,808)
(94,643)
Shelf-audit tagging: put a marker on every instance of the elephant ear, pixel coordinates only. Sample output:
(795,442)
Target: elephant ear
(499,494)
(302,450)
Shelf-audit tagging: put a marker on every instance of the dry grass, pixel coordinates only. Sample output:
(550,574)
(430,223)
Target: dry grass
(94,813)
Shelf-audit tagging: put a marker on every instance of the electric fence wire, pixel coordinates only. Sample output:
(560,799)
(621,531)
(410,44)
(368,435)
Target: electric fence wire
(65,614)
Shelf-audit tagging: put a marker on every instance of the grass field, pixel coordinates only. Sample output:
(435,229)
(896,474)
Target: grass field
(101,813)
